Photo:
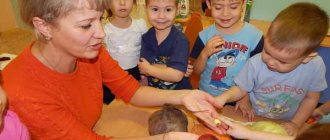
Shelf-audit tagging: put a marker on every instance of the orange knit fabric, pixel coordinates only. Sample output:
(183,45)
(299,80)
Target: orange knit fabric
(63,106)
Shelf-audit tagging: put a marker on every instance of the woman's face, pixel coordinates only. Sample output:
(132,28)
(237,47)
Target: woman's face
(79,33)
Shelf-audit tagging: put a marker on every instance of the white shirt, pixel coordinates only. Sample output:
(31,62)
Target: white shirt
(124,44)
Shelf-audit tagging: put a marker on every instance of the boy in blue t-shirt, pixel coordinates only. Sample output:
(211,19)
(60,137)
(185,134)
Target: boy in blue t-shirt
(164,49)
(285,80)
(221,50)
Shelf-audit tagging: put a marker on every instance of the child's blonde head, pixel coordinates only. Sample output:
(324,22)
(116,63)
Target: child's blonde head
(299,28)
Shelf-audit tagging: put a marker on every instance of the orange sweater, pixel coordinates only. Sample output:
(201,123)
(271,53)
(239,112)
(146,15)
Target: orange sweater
(63,106)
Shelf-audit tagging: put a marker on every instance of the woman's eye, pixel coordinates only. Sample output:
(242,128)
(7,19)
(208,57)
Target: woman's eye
(86,26)
(233,7)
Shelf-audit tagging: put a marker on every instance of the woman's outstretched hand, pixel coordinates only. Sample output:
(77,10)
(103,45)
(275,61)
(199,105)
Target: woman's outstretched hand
(203,105)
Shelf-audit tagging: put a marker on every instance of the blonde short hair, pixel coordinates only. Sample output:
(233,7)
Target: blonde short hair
(51,10)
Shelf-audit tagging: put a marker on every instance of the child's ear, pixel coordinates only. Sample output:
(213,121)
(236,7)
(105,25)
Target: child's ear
(208,3)
(309,57)
(42,27)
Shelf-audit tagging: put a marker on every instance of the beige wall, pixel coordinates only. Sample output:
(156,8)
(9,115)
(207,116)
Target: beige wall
(7,19)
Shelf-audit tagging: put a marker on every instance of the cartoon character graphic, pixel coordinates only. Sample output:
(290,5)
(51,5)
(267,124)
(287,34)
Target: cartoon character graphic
(272,111)
(161,84)
(224,60)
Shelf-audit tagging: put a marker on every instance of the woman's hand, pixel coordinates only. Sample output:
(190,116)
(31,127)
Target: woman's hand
(202,106)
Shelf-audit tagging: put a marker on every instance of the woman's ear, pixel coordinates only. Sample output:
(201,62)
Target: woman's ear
(309,57)
(42,27)
(208,3)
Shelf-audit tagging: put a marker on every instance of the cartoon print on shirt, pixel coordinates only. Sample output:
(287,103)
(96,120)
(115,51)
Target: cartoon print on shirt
(274,107)
(224,60)
(155,82)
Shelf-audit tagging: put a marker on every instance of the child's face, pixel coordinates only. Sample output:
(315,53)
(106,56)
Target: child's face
(280,60)
(121,8)
(161,13)
(225,12)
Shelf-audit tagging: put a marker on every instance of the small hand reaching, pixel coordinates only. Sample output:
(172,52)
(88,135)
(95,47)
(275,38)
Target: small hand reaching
(244,105)
(317,114)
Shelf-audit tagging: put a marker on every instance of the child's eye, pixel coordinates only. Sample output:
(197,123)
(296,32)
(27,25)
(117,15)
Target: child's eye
(154,9)
(218,7)
(233,7)
(282,62)
(168,9)
(86,26)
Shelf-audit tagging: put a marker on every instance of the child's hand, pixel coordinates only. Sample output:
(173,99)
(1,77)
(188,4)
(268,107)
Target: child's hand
(213,45)
(245,107)
(236,130)
(291,127)
(144,66)
(317,114)
(190,69)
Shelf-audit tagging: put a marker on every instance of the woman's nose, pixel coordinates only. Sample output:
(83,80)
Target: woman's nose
(99,32)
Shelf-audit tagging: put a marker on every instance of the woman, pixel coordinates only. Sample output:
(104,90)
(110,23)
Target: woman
(55,84)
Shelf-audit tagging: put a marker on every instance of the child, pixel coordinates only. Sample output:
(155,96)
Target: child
(11,126)
(123,38)
(221,50)
(285,80)
(165,50)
